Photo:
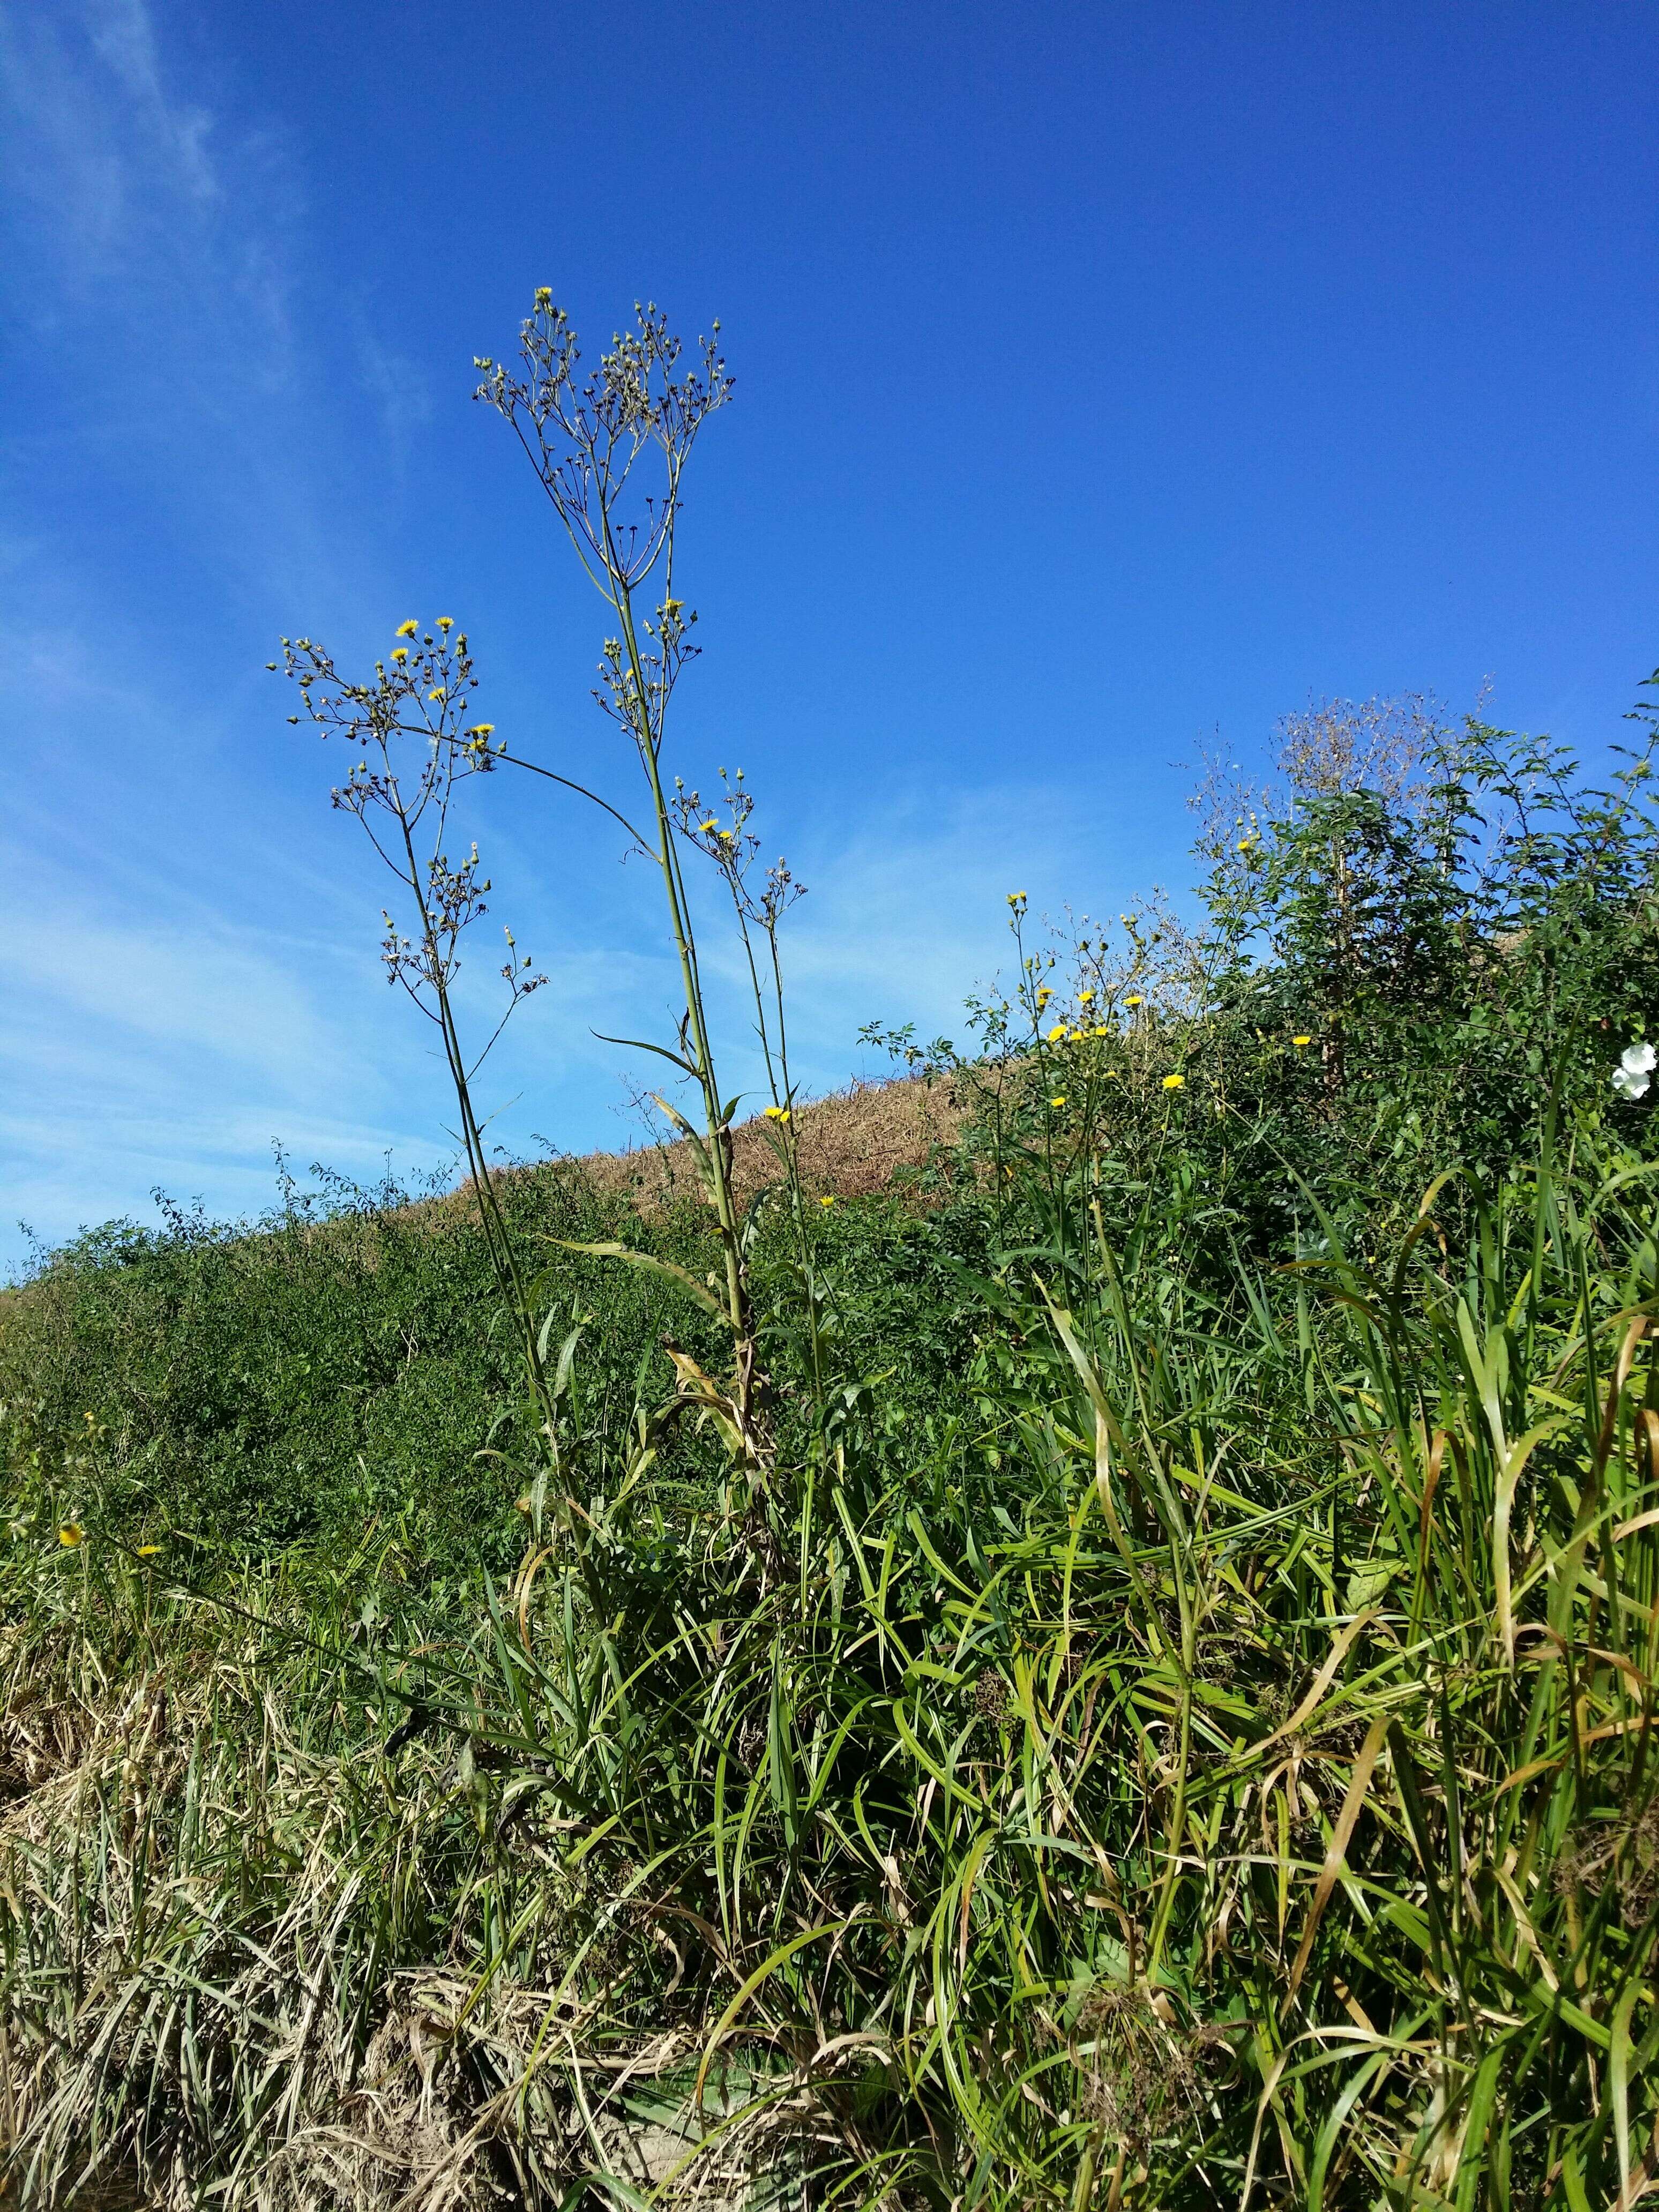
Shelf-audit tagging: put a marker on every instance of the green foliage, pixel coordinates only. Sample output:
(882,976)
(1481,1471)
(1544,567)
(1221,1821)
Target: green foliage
(1386,980)
(1455,952)
(1196,1760)
(344,1362)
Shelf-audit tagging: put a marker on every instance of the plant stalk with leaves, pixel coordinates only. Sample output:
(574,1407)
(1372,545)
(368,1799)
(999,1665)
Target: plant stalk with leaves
(420,695)
(592,442)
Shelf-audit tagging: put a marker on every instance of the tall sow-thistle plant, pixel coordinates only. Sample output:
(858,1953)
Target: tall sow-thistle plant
(609,450)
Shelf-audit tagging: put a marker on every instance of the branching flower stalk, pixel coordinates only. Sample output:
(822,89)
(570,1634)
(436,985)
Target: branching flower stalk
(734,848)
(419,697)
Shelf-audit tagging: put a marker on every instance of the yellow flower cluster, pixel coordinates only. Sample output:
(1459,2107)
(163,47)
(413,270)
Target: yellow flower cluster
(777,1113)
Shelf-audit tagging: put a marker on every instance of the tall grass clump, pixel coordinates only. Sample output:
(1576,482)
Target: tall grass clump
(1126,1683)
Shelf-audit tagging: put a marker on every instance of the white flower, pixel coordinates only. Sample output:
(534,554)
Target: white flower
(1635,1071)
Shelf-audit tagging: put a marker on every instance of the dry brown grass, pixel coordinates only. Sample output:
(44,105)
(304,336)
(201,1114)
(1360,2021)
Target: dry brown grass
(855,1143)
(852,1144)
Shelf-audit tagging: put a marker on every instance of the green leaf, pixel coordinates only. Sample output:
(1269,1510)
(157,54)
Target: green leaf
(670,1268)
(642,1044)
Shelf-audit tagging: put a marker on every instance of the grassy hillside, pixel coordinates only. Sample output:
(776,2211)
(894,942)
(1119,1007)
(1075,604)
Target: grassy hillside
(1150,1706)
(345,1358)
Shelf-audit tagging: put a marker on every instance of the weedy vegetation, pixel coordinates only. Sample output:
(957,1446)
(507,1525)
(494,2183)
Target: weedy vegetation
(1117,1671)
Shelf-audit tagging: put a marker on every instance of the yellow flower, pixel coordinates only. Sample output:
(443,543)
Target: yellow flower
(1174,1082)
(826,1201)
(1100,1029)
(437,693)
(726,836)
(710,824)
(777,1113)
(672,606)
(1084,997)
(544,296)
(70,1534)
(408,629)
(1061,1101)
(1043,997)
(1057,1032)
(445,622)
(1301,1040)
(1134,999)
(1075,1036)
(1016,898)
(147,1551)
(400,654)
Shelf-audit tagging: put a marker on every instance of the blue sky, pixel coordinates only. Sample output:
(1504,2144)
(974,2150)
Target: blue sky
(1109,379)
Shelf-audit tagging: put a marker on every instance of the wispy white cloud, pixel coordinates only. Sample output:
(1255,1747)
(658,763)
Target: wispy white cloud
(159,992)
(121,177)
(400,389)
(150,1041)
(150,250)
(914,909)
(906,915)
(163,1012)
(75,179)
